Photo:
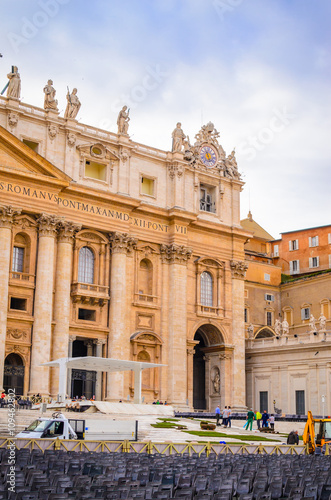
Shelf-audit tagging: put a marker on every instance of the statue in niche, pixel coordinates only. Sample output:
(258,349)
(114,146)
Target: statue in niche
(123,121)
(322,322)
(49,101)
(178,138)
(250,330)
(312,324)
(73,104)
(285,327)
(14,84)
(278,328)
(216,381)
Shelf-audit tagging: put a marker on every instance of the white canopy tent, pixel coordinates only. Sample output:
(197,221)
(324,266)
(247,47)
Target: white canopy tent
(92,363)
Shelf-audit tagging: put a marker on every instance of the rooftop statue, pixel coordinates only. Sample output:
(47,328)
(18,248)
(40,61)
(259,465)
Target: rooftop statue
(278,330)
(285,327)
(14,84)
(178,138)
(250,330)
(49,101)
(123,121)
(322,322)
(207,133)
(73,105)
(312,324)
(231,166)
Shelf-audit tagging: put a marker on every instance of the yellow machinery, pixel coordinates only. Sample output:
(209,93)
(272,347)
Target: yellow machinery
(322,431)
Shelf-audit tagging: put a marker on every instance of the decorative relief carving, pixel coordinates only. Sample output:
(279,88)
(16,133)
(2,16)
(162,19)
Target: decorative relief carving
(238,268)
(122,243)
(52,131)
(224,356)
(12,119)
(7,215)
(173,253)
(48,224)
(175,168)
(124,155)
(24,222)
(71,139)
(67,230)
(17,334)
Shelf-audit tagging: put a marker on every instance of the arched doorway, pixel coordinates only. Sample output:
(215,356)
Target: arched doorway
(207,375)
(14,374)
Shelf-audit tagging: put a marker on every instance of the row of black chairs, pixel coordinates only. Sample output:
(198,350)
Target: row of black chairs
(60,475)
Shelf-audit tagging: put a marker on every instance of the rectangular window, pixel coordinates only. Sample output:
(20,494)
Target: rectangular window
(300,402)
(269,318)
(207,199)
(294,266)
(276,251)
(263,401)
(147,186)
(313,241)
(18,304)
(18,259)
(246,315)
(266,277)
(32,145)
(305,313)
(95,170)
(314,262)
(268,297)
(293,245)
(86,314)
(329,238)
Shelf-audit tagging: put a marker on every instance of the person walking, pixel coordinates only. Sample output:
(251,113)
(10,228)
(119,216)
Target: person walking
(229,416)
(272,422)
(225,416)
(258,417)
(218,415)
(265,418)
(293,438)
(250,417)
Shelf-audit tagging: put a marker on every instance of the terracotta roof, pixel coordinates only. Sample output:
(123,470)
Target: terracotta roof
(255,228)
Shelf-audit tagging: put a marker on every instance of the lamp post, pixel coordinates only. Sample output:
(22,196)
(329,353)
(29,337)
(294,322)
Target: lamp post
(323,401)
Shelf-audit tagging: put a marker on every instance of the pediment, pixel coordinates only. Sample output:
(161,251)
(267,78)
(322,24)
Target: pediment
(17,156)
(97,150)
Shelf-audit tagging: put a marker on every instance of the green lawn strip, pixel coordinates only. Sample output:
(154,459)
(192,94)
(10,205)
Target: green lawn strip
(230,443)
(168,419)
(221,434)
(168,425)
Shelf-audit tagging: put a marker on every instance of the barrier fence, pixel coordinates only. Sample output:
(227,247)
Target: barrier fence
(154,448)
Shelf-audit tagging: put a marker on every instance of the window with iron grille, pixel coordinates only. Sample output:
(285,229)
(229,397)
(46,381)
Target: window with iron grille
(207,201)
(269,318)
(18,259)
(86,265)
(206,289)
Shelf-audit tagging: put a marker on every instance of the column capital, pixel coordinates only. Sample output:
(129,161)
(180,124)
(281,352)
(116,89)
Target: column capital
(99,341)
(178,254)
(7,215)
(48,224)
(72,338)
(238,268)
(122,243)
(66,231)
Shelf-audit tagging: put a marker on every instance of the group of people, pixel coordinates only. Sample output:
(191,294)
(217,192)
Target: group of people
(224,415)
(265,418)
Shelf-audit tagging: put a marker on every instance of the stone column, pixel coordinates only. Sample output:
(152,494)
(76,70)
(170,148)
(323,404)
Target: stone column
(59,348)
(122,245)
(43,304)
(177,257)
(7,215)
(98,385)
(238,335)
(71,340)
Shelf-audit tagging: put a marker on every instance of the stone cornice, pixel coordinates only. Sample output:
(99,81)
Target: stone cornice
(7,215)
(173,253)
(238,268)
(122,243)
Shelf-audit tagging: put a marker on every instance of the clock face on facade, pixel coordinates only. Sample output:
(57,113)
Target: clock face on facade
(208,156)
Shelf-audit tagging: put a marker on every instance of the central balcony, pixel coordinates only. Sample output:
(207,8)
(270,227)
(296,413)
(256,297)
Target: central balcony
(89,293)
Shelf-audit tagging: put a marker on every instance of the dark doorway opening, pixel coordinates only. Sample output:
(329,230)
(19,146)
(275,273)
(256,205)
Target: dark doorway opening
(199,375)
(82,381)
(14,374)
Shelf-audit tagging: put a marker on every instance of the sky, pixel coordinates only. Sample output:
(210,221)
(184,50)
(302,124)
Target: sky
(258,69)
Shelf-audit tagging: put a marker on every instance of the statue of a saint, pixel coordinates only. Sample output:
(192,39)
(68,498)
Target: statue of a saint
(178,138)
(217,383)
(312,324)
(231,165)
(322,322)
(14,84)
(285,327)
(278,328)
(73,105)
(123,121)
(49,101)
(250,330)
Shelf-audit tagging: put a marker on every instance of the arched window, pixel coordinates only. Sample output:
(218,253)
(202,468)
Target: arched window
(86,265)
(18,259)
(206,289)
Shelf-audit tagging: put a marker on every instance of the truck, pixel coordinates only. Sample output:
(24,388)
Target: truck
(319,427)
(58,426)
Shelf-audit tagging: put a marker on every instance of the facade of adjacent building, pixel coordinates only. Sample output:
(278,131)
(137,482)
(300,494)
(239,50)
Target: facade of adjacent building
(111,248)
